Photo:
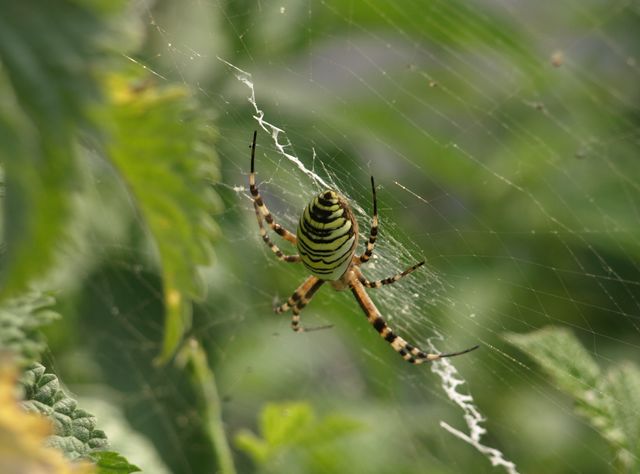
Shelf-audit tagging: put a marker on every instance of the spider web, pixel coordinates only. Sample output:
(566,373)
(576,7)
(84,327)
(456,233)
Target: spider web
(503,138)
(451,381)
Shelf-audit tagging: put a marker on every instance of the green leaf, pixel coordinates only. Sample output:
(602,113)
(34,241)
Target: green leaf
(610,402)
(571,368)
(20,322)
(293,426)
(622,385)
(563,357)
(258,449)
(75,429)
(158,143)
(47,53)
(330,429)
(285,423)
(108,462)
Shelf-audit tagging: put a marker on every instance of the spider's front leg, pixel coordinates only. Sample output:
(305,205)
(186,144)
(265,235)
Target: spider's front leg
(267,240)
(373,233)
(299,300)
(261,209)
(408,352)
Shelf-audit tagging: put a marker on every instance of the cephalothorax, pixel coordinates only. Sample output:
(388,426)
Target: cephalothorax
(326,240)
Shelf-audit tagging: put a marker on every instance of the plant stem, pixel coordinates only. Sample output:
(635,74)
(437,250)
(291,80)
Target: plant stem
(204,379)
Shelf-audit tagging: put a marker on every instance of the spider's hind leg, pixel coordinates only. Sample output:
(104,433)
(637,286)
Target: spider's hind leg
(411,354)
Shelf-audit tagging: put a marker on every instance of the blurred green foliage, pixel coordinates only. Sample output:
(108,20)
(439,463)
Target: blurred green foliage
(293,428)
(47,88)
(21,321)
(608,400)
(516,127)
(71,98)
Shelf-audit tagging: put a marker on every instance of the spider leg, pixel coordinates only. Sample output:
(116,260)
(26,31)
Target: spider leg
(386,281)
(259,203)
(299,300)
(269,242)
(411,354)
(297,295)
(374,229)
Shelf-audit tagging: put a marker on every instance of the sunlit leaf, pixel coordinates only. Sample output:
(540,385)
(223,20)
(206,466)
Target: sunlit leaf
(331,428)
(293,426)
(283,423)
(255,447)
(158,144)
(108,462)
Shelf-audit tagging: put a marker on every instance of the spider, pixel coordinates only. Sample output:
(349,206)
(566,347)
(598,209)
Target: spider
(326,240)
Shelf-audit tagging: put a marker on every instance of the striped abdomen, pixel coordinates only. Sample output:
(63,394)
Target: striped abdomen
(327,236)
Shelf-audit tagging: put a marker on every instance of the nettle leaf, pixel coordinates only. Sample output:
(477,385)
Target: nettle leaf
(256,448)
(561,355)
(159,145)
(20,322)
(282,423)
(571,368)
(108,462)
(622,385)
(293,426)
(23,435)
(47,52)
(330,428)
(75,429)
(608,401)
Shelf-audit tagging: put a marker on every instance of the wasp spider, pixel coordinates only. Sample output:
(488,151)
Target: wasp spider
(326,241)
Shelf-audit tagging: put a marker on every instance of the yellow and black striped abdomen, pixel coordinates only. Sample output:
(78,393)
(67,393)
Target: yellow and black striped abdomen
(327,236)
